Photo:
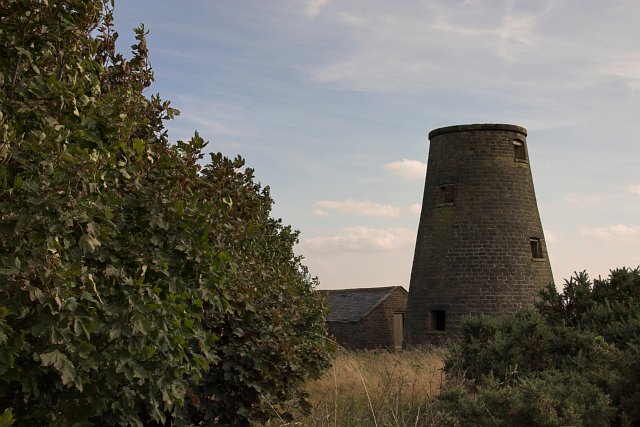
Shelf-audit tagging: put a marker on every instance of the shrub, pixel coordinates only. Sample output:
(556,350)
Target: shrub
(574,360)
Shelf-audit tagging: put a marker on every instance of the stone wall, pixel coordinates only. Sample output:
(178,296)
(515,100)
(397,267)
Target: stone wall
(480,246)
(375,330)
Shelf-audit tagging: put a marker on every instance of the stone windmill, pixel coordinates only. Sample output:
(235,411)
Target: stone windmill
(480,246)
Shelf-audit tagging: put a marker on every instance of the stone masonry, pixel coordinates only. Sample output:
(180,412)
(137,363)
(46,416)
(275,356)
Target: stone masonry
(367,318)
(480,246)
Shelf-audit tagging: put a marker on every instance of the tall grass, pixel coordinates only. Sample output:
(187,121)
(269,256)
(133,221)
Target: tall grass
(374,388)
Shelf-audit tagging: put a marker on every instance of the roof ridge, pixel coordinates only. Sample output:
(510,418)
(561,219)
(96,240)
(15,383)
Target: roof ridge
(373,288)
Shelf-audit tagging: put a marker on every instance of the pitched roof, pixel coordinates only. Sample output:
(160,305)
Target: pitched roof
(351,305)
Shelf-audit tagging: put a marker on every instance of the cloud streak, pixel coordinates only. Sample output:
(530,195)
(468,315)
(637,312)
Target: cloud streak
(407,169)
(481,47)
(357,207)
(428,45)
(612,232)
(584,200)
(361,240)
(364,208)
(314,6)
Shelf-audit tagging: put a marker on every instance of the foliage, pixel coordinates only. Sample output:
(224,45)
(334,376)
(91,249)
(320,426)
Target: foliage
(136,286)
(275,337)
(574,360)
(6,419)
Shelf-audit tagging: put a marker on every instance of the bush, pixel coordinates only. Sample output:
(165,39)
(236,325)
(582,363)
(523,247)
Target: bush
(136,285)
(574,360)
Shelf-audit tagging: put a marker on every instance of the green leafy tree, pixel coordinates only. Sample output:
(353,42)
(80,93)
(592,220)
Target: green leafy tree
(271,340)
(574,360)
(137,287)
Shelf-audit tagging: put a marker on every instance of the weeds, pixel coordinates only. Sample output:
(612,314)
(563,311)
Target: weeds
(374,388)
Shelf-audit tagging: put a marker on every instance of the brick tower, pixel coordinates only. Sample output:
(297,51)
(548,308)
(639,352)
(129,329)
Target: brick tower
(480,245)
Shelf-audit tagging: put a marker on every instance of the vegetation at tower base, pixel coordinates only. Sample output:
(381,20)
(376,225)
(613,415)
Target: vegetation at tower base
(137,287)
(574,360)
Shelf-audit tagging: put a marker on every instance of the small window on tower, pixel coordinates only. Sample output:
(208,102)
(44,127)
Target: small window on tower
(438,320)
(519,151)
(536,248)
(445,194)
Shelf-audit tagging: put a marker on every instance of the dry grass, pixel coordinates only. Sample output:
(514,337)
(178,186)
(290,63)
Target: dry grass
(374,389)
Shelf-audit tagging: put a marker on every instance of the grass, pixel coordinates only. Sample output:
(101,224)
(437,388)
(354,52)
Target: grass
(374,388)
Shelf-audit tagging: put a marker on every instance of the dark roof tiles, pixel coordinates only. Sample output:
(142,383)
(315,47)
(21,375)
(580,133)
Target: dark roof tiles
(351,305)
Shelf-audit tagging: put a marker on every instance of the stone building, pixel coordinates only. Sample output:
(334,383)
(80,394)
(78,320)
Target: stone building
(480,246)
(367,318)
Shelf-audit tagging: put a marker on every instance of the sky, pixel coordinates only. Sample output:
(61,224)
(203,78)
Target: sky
(331,102)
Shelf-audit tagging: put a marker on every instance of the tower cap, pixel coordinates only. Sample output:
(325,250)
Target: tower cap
(478,127)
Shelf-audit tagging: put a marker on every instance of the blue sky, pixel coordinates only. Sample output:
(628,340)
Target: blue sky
(331,101)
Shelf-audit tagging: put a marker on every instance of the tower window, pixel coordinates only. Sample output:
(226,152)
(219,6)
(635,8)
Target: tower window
(519,151)
(445,194)
(438,320)
(536,248)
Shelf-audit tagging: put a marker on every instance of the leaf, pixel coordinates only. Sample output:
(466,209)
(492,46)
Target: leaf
(91,229)
(17,183)
(110,270)
(88,243)
(35,293)
(166,398)
(84,349)
(158,221)
(139,372)
(61,363)
(114,334)
(6,419)
(39,328)
(124,173)
(79,328)
(138,145)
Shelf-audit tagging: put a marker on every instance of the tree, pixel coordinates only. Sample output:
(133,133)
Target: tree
(136,285)
(574,360)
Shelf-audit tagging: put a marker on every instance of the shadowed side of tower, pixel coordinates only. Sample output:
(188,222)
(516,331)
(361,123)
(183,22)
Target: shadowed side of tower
(480,246)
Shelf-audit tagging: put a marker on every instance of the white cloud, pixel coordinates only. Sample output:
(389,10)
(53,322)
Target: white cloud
(635,189)
(351,19)
(584,199)
(211,119)
(364,207)
(314,6)
(430,44)
(359,207)
(407,169)
(612,232)
(627,68)
(511,32)
(496,48)
(361,240)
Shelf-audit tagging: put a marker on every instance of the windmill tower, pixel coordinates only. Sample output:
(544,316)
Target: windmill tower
(480,245)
